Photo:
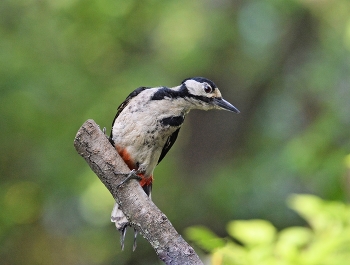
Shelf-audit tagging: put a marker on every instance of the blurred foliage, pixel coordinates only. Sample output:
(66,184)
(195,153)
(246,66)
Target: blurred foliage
(284,64)
(325,242)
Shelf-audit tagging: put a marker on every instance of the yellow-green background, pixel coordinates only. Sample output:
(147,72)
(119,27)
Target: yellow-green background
(284,64)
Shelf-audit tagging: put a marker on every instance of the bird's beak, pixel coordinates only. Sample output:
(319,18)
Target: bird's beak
(223,104)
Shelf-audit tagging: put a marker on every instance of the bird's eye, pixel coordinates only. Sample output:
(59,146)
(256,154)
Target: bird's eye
(207,88)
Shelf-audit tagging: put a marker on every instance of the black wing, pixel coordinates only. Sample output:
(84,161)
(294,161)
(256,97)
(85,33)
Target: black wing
(124,104)
(169,143)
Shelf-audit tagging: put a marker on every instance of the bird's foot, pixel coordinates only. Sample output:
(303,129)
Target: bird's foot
(104,132)
(129,176)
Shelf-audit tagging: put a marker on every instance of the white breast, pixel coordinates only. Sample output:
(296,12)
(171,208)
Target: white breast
(138,130)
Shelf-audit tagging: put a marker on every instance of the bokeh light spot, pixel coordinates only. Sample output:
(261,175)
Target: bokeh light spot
(259,25)
(21,202)
(96,203)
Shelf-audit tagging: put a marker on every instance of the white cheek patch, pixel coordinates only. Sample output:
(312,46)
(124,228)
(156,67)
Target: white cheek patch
(195,88)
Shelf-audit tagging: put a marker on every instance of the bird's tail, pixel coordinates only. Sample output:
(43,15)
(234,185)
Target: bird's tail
(122,223)
(118,218)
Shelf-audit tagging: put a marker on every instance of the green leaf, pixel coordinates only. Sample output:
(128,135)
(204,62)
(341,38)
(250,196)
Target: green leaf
(295,236)
(291,242)
(306,205)
(252,232)
(204,238)
(230,254)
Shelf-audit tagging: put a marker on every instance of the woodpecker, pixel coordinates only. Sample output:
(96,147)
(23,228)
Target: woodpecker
(147,124)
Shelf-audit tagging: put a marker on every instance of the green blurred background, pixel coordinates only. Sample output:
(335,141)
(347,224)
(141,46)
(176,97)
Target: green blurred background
(284,64)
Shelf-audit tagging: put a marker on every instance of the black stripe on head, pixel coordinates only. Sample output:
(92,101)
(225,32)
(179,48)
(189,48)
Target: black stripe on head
(166,92)
(174,121)
(201,80)
(183,92)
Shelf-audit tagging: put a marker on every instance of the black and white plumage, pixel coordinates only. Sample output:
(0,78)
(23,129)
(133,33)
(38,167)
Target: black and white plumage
(147,124)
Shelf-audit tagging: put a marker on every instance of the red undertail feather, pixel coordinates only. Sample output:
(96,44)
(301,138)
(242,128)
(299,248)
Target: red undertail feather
(126,157)
(145,181)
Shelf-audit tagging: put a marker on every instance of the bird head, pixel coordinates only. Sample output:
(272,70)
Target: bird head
(205,94)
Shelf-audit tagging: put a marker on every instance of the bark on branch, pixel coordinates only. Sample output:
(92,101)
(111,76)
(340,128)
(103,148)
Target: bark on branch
(143,214)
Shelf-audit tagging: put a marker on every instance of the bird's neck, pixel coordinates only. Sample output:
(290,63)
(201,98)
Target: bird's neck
(184,101)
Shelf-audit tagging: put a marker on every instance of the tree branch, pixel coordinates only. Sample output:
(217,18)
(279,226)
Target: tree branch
(142,213)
